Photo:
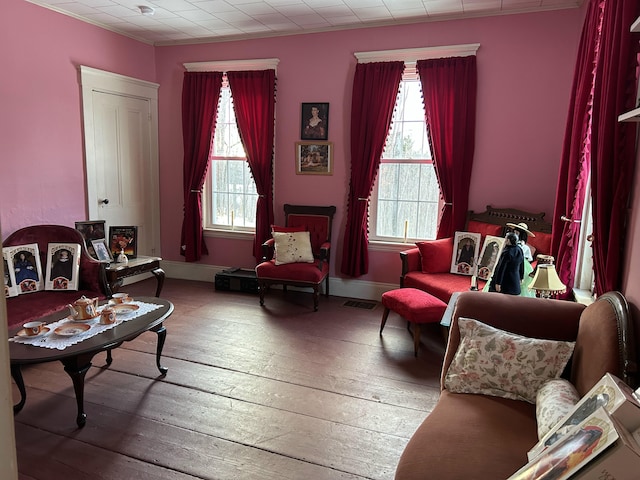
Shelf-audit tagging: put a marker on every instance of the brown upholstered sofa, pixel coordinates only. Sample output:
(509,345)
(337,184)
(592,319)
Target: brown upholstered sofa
(30,306)
(426,267)
(472,436)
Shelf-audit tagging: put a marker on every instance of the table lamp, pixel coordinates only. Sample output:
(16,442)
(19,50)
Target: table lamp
(546,282)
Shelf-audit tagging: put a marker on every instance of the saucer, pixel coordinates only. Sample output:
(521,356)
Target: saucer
(73,319)
(125,307)
(113,303)
(70,329)
(23,334)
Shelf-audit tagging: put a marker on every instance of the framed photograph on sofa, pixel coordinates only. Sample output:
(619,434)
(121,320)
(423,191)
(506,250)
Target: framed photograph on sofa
(103,253)
(24,260)
(123,239)
(489,256)
(466,246)
(63,266)
(10,286)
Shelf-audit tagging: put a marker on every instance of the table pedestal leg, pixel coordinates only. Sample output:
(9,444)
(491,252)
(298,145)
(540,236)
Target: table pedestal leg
(16,373)
(159,274)
(77,368)
(162,335)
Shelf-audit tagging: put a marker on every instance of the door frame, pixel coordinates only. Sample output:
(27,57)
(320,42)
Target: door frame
(94,80)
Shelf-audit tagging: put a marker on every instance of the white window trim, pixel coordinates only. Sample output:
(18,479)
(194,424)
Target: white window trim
(233,65)
(224,66)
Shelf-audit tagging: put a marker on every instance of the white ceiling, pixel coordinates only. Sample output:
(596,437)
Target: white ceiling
(197,21)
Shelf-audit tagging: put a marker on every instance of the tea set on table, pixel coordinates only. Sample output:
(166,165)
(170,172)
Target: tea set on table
(83,310)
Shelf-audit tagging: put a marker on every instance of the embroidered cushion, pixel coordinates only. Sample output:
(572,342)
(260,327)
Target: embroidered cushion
(292,247)
(555,399)
(491,361)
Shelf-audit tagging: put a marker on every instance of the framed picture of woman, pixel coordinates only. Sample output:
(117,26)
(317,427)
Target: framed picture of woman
(315,121)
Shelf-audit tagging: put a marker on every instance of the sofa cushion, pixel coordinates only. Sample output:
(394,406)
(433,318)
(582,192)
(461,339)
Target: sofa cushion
(555,399)
(470,437)
(436,255)
(484,228)
(540,244)
(491,361)
(292,247)
(440,285)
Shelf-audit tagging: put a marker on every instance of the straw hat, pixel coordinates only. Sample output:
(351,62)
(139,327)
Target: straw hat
(521,226)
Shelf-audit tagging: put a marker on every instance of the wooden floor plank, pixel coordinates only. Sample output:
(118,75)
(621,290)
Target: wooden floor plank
(277,392)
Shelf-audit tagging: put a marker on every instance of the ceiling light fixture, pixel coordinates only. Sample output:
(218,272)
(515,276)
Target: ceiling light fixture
(146,10)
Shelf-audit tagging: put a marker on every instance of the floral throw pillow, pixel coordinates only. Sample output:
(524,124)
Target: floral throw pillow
(490,361)
(555,399)
(292,247)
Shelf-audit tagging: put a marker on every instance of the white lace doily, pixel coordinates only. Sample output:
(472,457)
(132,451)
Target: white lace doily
(58,342)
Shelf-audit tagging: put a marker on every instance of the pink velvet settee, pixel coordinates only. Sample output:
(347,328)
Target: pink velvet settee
(30,306)
(476,436)
(426,266)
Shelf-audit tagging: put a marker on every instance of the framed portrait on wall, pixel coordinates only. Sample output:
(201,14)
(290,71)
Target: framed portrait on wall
(315,121)
(314,158)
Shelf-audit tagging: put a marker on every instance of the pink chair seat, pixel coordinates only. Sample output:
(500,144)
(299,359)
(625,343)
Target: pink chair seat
(416,306)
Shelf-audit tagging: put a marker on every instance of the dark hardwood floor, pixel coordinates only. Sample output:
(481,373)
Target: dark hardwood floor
(274,392)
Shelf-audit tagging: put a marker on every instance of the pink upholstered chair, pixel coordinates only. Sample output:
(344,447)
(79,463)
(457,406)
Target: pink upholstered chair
(308,274)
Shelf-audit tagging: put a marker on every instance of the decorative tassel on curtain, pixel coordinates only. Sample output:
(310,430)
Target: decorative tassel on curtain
(253,95)
(594,140)
(449,90)
(375,88)
(200,92)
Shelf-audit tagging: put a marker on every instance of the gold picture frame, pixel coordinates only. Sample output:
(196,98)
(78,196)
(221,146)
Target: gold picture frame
(314,158)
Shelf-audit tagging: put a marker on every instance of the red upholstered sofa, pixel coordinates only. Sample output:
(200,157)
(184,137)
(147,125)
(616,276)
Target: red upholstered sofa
(476,436)
(30,306)
(426,266)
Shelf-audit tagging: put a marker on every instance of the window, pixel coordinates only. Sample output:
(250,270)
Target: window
(230,195)
(404,200)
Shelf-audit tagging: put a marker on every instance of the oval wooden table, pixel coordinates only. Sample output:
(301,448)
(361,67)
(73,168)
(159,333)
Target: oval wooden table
(77,358)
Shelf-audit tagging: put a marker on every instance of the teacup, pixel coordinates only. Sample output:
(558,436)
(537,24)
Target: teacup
(32,329)
(107,316)
(120,298)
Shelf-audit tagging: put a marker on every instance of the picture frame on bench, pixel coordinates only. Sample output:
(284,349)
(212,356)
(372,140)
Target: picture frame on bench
(123,238)
(91,230)
(63,266)
(10,286)
(24,260)
(466,246)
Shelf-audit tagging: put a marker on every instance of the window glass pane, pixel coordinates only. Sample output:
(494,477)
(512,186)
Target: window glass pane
(405,203)
(230,191)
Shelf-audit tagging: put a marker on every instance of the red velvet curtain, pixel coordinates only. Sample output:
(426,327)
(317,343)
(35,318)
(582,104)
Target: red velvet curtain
(449,88)
(200,92)
(604,87)
(375,88)
(253,95)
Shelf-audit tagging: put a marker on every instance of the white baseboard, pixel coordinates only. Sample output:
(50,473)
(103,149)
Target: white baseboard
(339,287)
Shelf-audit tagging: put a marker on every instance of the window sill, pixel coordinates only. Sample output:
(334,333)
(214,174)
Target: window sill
(583,296)
(378,246)
(232,234)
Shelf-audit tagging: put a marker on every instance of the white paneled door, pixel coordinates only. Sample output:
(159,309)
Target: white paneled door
(120,117)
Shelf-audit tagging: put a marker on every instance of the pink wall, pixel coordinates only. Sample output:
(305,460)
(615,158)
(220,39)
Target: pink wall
(41,150)
(525,68)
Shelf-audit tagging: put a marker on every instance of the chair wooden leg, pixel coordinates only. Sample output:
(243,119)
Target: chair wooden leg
(316,298)
(262,288)
(416,338)
(385,314)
